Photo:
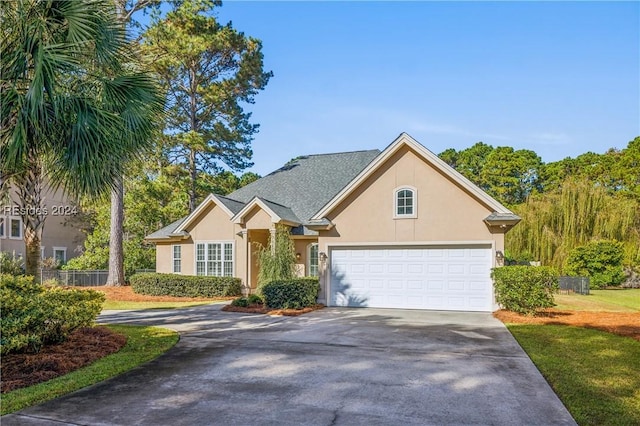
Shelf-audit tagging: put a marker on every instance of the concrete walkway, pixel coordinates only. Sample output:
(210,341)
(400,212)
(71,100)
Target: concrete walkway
(334,366)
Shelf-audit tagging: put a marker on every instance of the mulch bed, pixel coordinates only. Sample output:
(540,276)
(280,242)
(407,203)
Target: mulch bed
(83,347)
(260,309)
(620,323)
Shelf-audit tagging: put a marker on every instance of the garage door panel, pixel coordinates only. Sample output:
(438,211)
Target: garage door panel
(453,278)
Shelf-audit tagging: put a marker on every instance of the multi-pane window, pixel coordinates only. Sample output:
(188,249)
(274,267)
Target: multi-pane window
(15,228)
(405,203)
(313,259)
(177,259)
(1,227)
(60,254)
(214,259)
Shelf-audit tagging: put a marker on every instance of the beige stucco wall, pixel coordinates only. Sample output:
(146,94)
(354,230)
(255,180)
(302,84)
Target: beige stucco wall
(257,218)
(59,231)
(445,212)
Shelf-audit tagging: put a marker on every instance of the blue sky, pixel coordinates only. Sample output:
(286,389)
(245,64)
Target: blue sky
(559,78)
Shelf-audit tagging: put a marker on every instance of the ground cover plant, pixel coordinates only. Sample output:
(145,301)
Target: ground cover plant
(142,345)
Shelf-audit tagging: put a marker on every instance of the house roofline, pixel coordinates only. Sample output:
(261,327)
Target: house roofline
(402,140)
(238,218)
(211,198)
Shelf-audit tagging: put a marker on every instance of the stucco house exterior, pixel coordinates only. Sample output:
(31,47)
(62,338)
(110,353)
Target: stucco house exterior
(61,240)
(397,228)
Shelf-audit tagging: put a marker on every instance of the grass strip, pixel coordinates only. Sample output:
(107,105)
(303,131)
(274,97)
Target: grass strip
(619,300)
(143,345)
(595,374)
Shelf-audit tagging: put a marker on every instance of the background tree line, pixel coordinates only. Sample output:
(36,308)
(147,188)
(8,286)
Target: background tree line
(565,204)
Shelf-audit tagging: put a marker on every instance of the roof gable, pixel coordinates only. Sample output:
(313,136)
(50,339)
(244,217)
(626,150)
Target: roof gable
(226,204)
(432,159)
(277,212)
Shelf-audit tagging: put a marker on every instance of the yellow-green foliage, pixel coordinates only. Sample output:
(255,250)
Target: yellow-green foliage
(555,223)
(34,315)
(277,260)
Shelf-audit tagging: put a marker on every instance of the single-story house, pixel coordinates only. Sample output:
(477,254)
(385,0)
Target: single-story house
(397,228)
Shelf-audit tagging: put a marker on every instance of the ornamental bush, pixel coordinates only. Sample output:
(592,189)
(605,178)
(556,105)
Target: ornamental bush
(295,293)
(156,284)
(34,315)
(525,289)
(599,260)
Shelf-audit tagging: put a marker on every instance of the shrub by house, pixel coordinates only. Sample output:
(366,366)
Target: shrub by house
(294,293)
(155,284)
(34,315)
(525,289)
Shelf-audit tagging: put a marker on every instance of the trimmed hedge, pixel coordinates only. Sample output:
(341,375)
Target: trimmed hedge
(525,289)
(155,284)
(296,293)
(34,315)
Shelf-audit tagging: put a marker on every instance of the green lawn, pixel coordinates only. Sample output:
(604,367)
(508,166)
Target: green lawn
(622,300)
(119,305)
(143,344)
(595,374)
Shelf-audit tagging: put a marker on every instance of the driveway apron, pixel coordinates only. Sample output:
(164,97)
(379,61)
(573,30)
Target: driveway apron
(334,366)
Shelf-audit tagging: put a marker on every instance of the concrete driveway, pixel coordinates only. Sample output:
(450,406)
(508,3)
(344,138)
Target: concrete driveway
(334,366)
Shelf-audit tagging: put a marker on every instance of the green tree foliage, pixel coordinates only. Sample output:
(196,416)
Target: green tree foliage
(210,71)
(616,170)
(507,174)
(276,261)
(510,175)
(554,223)
(152,200)
(599,260)
(74,109)
(525,289)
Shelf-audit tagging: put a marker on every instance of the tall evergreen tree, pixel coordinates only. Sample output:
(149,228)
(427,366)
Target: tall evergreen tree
(210,71)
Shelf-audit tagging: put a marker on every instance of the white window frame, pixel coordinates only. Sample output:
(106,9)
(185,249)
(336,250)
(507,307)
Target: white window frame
(10,228)
(414,201)
(41,252)
(310,257)
(3,226)
(63,250)
(177,270)
(222,267)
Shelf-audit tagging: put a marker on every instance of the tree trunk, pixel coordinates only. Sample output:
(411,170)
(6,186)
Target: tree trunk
(116,256)
(33,214)
(193,177)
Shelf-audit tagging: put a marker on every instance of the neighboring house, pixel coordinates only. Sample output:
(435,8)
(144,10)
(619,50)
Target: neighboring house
(60,240)
(392,229)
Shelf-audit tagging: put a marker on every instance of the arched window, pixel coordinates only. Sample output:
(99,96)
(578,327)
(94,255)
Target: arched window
(405,202)
(312,259)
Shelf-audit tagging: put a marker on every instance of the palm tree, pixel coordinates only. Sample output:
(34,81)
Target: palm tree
(74,107)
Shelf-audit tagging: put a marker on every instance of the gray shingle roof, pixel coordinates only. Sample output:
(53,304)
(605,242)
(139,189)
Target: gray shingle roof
(166,231)
(283,211)
(307,183)
(296,191)
(233,205)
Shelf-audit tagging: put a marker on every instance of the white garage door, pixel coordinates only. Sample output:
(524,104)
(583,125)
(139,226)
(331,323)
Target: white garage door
(441,278)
